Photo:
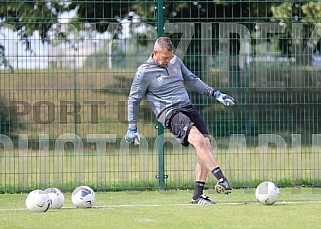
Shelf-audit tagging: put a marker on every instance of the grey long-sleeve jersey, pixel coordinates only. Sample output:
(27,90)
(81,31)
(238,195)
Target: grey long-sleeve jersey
(164,88)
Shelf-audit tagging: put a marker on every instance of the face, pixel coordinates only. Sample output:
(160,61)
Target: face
(162,57)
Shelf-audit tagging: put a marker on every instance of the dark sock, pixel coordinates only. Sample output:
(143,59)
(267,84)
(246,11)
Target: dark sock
(198,189)
(217,172)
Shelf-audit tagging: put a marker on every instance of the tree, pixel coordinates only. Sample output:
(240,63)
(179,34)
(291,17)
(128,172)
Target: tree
(25,17)
(101,12)
(28,16)
(307,13)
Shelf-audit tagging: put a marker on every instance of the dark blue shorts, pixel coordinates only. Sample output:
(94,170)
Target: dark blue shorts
(179,122)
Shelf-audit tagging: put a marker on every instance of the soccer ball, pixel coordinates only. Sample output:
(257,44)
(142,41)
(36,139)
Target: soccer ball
(56,197)
(38,201)
(267,193)
(83,197)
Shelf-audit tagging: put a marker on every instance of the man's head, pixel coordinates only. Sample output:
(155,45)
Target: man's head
(163,51)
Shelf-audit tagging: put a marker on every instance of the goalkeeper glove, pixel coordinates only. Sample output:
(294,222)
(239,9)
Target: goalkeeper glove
(226,100)
(132,136)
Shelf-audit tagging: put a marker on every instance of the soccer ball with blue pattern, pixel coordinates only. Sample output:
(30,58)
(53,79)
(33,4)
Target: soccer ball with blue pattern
(83,197)
(57,198)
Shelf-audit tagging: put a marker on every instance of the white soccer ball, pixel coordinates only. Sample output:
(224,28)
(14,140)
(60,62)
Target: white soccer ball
(38,201)
(83,197)
(56,197)
(267,193)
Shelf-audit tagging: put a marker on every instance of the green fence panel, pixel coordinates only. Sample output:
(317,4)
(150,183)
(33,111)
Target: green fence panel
(66,69)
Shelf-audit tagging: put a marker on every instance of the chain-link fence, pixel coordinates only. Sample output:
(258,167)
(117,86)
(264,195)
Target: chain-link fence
(67,68)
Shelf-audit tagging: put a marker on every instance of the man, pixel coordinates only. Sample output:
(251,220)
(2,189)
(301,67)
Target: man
(162,79)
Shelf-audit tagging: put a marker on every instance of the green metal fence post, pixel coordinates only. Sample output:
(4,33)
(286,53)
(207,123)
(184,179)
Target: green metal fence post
(160,128)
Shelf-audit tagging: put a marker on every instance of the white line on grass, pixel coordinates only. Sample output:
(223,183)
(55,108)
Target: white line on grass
(222,203)
(173,205)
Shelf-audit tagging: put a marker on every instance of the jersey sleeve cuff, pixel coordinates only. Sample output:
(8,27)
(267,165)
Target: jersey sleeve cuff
(132,126)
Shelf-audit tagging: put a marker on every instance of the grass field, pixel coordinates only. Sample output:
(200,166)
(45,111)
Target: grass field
(296,208)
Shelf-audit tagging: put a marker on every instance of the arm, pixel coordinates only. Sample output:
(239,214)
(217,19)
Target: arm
(137,92)
(199,86)
(195,83)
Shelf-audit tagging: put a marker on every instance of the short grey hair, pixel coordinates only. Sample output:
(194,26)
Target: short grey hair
(163,42)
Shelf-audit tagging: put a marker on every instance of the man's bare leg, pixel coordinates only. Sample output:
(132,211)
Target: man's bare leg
(203,148)
(206,162)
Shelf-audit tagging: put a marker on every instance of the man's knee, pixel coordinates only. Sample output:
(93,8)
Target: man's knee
(196,138)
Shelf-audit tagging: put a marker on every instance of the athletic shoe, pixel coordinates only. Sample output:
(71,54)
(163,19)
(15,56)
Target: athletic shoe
(203,200)
(222,186)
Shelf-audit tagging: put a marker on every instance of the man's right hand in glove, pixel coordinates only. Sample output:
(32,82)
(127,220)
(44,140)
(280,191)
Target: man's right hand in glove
(132,136)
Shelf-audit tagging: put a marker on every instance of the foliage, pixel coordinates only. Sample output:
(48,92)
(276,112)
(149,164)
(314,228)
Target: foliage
(311,12)
(7,126)
(282,12)
(41,15)
(28,16)
(297,11)
(100,12)
(3,59)
(288,13)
